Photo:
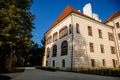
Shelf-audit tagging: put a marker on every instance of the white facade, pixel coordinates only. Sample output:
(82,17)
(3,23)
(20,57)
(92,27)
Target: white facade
(97,55)
(79,54)
(58,59)
(116,32)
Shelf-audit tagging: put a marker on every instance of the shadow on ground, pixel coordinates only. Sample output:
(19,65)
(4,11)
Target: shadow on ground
(4,77)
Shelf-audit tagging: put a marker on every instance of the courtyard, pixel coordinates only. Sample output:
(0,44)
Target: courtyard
(36,74)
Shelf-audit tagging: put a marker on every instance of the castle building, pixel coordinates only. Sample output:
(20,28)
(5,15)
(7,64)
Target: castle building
(76,40)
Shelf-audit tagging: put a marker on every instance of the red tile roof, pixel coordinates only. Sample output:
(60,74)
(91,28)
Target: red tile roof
(112,16)
(64,14)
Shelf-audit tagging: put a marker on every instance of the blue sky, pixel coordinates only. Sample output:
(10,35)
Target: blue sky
(47,11)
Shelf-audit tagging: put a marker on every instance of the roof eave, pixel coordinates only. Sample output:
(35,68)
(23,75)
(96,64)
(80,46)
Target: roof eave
(57,23)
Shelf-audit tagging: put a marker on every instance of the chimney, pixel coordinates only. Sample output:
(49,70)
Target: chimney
(95,16)
(79,10)
(87,10)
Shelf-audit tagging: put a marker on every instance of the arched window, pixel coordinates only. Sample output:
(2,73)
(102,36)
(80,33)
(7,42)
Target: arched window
(70,29)
(54,51)
(63,32)
(64,48)
(48,52)
(77,28)
(55,36)
(49,40)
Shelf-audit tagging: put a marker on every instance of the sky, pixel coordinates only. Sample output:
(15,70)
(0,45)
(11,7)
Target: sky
(47,11)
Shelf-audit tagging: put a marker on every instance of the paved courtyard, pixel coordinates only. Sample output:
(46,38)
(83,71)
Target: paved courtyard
(36,74)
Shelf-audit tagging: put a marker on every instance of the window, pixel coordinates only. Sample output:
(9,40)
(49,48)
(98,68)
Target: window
(70,29)
(54,51)
(63,32)
(53,63)
(91,47)
(117,25)
(63,63)
(89,30)
(55,36)
(93,62)
(77,28)
(102,48)
(48,52)
(112,50)
(100,33)
(119,36)
(103,62)
(64,48)
(114,63)
(46,63)
(49,40)
(110,36)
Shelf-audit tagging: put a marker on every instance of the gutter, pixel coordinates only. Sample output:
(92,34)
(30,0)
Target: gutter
(72,44)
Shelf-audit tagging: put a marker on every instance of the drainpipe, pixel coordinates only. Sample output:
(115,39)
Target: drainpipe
(116,43)
(72,44)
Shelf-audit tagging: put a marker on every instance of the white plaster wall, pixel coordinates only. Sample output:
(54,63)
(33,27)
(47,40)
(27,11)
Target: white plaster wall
(97,55)
(58,59)
(112,23)
(116,31)
(84,59)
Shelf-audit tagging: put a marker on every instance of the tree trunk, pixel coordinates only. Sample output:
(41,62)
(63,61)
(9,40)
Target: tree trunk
(8,65)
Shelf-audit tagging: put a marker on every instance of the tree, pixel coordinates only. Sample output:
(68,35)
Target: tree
(42,50)
(15,26)
(36,53)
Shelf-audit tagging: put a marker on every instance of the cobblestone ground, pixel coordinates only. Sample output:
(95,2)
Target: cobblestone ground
(36,74)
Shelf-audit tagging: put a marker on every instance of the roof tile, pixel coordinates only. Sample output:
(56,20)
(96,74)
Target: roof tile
(65,13)
(112,16)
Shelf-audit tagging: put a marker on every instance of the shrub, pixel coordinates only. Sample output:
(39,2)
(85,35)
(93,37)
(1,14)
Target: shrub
(18,70)
(107,72)
(46,68)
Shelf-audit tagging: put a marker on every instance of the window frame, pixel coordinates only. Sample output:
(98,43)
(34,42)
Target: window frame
(70,28)
(93,63)
(90,31)
(64,48)
(55,36)
(53,63)
(48,52)
(49,40)
(63,32)
(102,48)
(54,51)
(63,63)
(77,28)
(91,46)
(118,36)
(110,36)
(112,50)
(117,24)
(104,62)
(100,33)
